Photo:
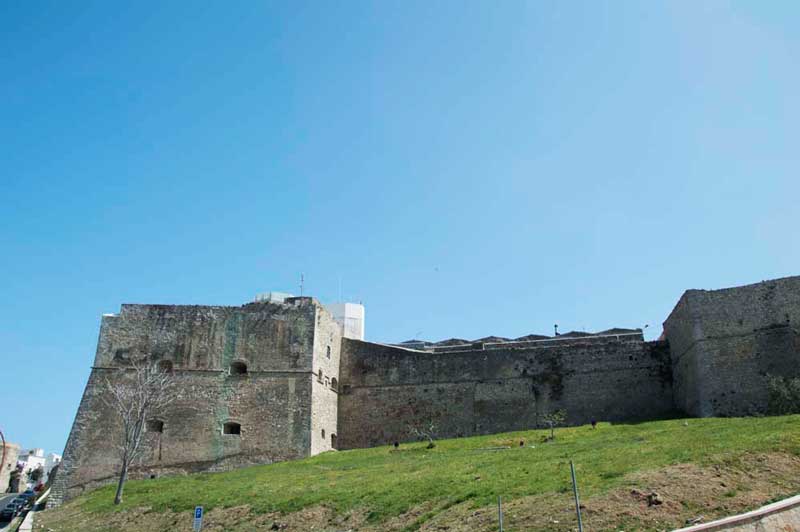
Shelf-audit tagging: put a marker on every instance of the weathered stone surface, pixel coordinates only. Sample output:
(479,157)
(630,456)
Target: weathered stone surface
(307,389)
(480,391)
(279,402)
(8,465)
(726,342)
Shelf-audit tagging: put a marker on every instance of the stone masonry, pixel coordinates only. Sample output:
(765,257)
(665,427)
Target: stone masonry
(8,465)
(725,343)
(264,367)
(269,381)
(500,387)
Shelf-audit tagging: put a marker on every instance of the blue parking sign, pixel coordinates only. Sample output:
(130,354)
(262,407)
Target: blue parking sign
(198,518)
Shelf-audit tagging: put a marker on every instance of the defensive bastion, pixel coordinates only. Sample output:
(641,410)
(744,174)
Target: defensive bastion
(268,381)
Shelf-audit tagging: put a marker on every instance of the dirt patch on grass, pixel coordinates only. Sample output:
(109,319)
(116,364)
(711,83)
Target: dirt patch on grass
(688,492)
(683,492)
(656,500)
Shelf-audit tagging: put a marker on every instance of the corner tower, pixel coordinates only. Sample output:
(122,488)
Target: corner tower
(725,343)
(257,385)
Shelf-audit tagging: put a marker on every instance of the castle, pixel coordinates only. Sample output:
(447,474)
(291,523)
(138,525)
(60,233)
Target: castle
(281,380)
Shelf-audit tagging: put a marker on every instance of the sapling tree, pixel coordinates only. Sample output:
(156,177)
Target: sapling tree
(554,419)
(424,431)
(142,391)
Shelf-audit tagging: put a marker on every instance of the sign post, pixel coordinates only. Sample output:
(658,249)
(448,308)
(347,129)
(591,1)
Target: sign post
(198,518)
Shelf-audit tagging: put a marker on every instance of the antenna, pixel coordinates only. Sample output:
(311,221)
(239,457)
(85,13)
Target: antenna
(302,280)
(555,327)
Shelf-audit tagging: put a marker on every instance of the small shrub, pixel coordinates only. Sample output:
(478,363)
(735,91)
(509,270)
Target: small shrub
(424,431)
(784,396)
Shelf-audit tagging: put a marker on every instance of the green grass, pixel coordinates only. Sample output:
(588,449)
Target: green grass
(387,483)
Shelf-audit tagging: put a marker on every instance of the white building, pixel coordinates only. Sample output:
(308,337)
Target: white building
(30,460)
(350,317)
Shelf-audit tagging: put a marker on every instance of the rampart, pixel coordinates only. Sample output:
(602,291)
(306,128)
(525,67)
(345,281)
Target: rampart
(485,388)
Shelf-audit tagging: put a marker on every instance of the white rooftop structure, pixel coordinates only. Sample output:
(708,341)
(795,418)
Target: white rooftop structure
(272,297)
(31,459)
(38,453)
(350,317)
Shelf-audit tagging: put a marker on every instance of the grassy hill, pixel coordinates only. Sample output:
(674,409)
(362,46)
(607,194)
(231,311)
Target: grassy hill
(708,467)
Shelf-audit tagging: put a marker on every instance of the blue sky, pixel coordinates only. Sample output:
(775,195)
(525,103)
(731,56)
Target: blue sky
(465,168)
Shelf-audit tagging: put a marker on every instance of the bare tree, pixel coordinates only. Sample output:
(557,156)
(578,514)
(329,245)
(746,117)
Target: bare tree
(142,391)
(424,432)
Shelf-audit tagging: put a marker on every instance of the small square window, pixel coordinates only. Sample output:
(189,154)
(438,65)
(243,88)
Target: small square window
(234,429)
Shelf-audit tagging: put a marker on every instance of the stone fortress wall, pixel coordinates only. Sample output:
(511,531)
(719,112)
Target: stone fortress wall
(486,388)
(254,367)
(726,342)
(294,386)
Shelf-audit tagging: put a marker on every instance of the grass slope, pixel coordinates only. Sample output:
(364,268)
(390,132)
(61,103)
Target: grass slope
(385,483)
